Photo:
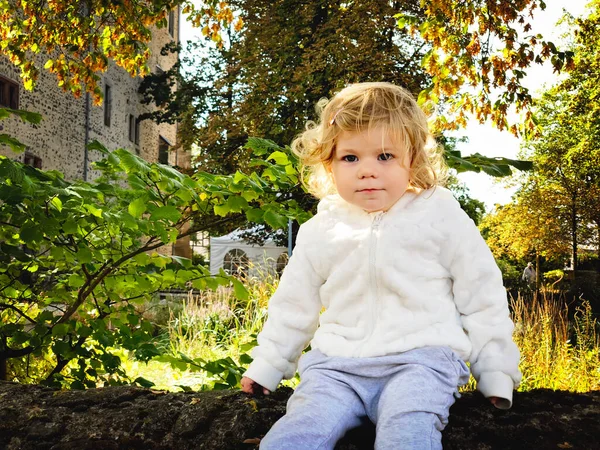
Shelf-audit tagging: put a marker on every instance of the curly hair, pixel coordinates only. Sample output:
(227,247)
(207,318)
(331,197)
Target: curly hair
(365,106)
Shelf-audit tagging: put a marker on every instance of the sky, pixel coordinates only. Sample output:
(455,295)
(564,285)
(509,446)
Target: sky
(485,139)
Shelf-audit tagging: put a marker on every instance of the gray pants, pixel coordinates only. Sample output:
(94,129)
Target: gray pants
(407,396)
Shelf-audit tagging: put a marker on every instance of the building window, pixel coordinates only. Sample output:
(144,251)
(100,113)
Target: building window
(9,93)
(32,160)
(134,129)
(163,150)
(107,104)
(172,23)
(201,239)
(236,262)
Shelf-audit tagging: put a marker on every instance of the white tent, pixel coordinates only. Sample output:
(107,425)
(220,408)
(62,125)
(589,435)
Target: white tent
(231,252)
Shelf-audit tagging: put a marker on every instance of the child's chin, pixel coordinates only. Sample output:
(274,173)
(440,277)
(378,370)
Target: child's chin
(373,209)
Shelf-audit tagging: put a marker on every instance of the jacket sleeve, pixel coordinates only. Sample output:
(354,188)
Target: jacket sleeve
(293,317)
(481,300)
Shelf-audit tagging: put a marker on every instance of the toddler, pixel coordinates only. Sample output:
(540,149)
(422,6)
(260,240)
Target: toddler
(408,288)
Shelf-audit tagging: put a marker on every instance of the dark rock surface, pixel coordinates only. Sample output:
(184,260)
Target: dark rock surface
(35,417)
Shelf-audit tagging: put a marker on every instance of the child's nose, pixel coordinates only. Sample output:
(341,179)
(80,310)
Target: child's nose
(367,170)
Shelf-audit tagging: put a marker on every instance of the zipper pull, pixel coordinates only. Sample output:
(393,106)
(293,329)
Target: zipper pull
(377,219)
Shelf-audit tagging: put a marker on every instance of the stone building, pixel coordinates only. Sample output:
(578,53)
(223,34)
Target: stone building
(60,141)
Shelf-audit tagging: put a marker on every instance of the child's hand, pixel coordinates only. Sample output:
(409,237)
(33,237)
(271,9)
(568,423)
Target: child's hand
(495,400)
(249,386)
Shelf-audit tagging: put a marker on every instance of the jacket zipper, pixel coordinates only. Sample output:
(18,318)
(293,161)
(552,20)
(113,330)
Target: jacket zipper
(373,274)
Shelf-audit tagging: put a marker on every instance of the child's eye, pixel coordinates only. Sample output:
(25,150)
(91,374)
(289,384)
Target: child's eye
(386,156)
(349,158)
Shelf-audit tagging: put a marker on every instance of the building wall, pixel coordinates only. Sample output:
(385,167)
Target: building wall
(60,139)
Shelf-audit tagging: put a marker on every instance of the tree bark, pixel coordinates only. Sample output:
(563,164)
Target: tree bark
(537,271)
(574,234)
(125,418)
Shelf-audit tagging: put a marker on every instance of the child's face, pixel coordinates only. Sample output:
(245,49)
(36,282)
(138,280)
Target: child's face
(369,170)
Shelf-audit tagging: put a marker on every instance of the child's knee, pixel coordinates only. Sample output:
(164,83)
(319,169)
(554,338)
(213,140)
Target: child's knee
(410,430)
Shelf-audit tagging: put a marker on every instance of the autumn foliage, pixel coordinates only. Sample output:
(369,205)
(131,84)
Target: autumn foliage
(76,39)
(479,51)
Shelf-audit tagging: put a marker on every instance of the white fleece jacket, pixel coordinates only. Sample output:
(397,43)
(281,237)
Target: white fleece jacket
(417,275)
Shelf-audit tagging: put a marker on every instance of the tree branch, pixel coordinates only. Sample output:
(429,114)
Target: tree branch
(21,313)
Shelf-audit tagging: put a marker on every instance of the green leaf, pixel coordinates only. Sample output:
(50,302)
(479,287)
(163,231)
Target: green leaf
(70,226)
(133,319)
(221,210)
(494,166)
(57,203)
(212,283)
(239,176)
(240,290)
(14,251)
(250,195)
(176,363)
(168,212)
(245,359)
(76,280)
(26,116)
(143,382)
(168,276)
(184,195)
(275,221)
(255,215)
(14,144)
(185,262)
(142,259)
(132,163)
(261,146)
(236,203)
(60,329)
(160,261)
(84,255)
(232,378)
(95,145)
(31,232)
(19,338)
(84,331)
(77,385)
(279,158)
(497,170)
(93,210)
(137,207)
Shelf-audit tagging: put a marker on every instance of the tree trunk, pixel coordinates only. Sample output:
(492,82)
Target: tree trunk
(3,370)
(598,243)
(537,271)
(125,418)
(574,234)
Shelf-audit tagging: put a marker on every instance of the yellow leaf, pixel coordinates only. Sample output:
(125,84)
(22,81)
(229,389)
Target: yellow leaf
(253,405)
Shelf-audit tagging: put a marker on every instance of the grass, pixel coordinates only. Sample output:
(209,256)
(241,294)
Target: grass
(210,326)
(556,353)
(559,349)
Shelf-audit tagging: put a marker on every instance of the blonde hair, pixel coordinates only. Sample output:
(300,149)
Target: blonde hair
(365,106)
